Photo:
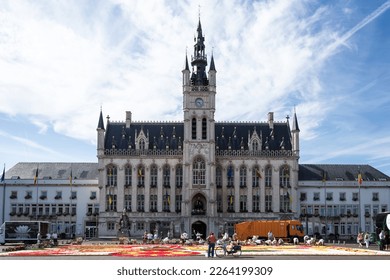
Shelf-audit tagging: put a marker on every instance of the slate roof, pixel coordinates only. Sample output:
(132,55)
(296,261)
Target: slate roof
(339,172)
(162,134)
(54,170)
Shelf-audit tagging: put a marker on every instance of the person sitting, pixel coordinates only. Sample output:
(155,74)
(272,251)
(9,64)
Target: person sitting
(229,247)
(184,237)
(360,239)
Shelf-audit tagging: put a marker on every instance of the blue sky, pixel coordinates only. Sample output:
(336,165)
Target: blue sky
(61,61)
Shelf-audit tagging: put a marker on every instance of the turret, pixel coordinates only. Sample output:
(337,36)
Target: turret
(212,73)
(295,135)
(100,135)
(186,73)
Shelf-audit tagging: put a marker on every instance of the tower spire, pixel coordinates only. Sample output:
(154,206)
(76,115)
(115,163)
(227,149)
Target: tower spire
(199,59)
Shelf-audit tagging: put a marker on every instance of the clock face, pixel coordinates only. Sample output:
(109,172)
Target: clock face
(199,102)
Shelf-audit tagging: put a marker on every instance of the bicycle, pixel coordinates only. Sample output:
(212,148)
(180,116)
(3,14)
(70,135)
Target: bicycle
(222,251)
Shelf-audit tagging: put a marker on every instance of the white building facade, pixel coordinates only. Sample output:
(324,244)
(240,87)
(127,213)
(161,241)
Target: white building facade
(71,205)
(332,197)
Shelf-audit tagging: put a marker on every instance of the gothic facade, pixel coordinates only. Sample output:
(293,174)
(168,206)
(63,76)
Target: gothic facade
(198,175)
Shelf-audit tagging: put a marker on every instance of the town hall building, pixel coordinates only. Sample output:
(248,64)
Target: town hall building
(197,175)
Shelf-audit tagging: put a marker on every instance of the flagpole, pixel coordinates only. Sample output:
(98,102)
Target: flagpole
(326,210)
(3,179)
(326,213)
(360,199)
(36,182)
(71,200)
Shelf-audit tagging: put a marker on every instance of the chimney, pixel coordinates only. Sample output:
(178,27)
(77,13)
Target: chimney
(271,120)
(128,119)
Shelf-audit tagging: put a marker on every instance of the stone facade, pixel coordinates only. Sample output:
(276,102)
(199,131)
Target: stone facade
(198,175)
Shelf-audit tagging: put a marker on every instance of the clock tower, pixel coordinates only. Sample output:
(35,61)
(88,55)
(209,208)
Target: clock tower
(199,90)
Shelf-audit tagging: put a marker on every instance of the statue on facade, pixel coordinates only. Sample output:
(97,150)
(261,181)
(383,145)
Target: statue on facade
(124,225)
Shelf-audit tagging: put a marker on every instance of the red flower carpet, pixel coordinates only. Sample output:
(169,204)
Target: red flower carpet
(112,250)
(176,250)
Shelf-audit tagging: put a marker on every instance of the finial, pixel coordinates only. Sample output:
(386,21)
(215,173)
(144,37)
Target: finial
(199,11)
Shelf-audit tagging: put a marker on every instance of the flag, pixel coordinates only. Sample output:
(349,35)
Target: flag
(360,179)
(70,177)
(109,199)
(323,176)
(231,199)
(230,172)
(258,174)
(3,176)
(139,172)
(168,197)
(36,177)
(109,172)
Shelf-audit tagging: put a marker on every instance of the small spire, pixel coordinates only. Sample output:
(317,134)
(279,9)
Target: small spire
(186,67)
(212,65)
(295,126)
(101,123)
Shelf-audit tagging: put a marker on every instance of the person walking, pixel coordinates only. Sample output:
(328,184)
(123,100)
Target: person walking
(367,240)
(382,240)
(55,238)
(211,242)
(359,239)
(39,238)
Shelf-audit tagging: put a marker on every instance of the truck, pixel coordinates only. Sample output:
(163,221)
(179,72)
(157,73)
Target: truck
(23,231)
(285,229)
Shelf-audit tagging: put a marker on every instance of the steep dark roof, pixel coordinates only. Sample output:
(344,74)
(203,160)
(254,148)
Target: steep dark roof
(237,134)
(339,172)
(212,64)
(101,122)
(54,170)
(295,126)
(162,134)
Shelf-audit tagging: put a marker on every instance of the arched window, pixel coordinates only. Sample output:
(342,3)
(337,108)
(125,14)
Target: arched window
(111,172)
(193,129)
(166,176)
(284,176)
(141,176)
(179,176)
(268,176)
(230,176)
(128,176)
(153,176)
(255,145)
(199,172)
(218,176)
(243,176)
(142,144)
(204,128)
(256,176)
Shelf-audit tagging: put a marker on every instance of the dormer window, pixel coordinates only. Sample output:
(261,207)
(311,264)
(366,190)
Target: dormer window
(142,144)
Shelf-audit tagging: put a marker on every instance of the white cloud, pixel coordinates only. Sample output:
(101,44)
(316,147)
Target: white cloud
(61,61)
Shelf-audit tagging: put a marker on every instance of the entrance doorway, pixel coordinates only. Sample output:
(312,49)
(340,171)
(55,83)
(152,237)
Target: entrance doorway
(199,227)
(90,230)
